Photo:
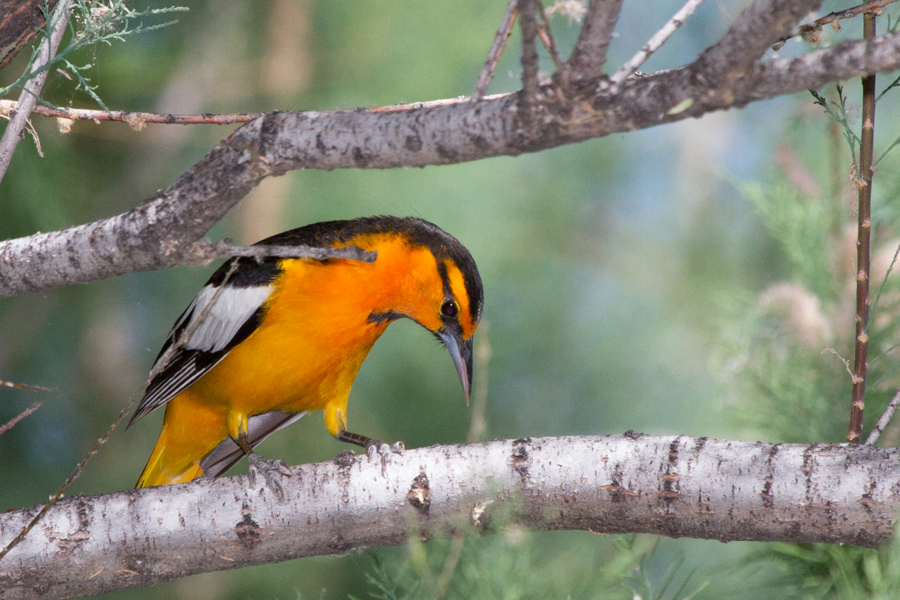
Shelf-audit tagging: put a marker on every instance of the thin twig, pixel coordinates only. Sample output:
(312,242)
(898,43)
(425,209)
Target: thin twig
(493,57)
(543,30)
(884,419)
(840,358)
(529,60)
(655,43)
(75,475)
(205,252)
(12,422)
(23,386)
(863,247)
(32,89)
(136,120)
(808,29)
(884,281)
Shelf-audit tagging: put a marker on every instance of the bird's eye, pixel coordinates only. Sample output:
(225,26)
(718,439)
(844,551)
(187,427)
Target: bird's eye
(449,309)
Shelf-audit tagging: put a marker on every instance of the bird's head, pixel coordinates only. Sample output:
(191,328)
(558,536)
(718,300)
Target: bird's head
(420,272)
(440,287)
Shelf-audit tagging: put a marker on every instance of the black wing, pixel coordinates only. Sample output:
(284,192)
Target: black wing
(225,312)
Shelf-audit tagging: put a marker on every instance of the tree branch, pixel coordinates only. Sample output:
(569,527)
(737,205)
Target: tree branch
(19,21)
(655,43)
(136,120)
(672,485)
(863,248)
(493,57)
(809,30)
(28,98)
(589,55)
(757,29)
(161,231)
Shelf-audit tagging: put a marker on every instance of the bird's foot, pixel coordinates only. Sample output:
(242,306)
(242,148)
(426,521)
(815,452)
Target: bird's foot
(378,448)
(270,470)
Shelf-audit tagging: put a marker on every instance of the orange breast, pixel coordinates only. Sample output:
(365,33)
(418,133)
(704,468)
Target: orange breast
(316,333)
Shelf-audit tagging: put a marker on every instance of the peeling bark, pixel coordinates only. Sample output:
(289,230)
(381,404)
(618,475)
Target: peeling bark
(672,485)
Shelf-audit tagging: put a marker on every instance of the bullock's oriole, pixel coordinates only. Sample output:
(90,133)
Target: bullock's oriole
(267,340)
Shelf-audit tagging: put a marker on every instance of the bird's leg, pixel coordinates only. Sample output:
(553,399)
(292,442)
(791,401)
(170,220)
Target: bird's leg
(372,445)
(271,470)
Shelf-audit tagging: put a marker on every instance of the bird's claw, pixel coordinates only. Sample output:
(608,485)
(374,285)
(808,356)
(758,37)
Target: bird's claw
(271,470)
(379,448)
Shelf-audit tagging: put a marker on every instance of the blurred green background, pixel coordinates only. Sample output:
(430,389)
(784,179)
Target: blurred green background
(619,275)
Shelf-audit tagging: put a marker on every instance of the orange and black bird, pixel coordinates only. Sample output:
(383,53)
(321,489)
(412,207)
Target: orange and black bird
(268,340)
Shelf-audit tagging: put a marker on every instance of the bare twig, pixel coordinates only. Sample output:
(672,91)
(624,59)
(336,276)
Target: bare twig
(833,19)
(543,30)
(23,386)
(884,419)
(136,120)
(206,252)
(75,475)
(28,97)
(589,54)
(12,422)
(530,64)
(840,358)
(503,33)
(863,247)
(655,43)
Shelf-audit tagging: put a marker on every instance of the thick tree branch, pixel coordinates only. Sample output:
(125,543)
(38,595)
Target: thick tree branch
(673,485)
(758,28)
(162,231)
(19,21)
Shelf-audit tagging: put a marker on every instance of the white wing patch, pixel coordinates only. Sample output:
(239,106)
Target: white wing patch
(210,325)
(221,315)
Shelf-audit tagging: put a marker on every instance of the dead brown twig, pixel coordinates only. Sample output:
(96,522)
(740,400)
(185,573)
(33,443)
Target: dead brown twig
(23,386)
(12,422)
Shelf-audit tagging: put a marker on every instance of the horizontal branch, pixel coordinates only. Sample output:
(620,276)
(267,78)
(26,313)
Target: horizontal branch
(162,231)
(675,486)
(136,120)
(756,29)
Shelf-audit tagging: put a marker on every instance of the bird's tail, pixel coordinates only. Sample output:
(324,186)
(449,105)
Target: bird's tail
(191,429)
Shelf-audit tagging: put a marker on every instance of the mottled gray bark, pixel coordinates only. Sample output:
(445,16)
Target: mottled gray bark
(162,231)
(674,485)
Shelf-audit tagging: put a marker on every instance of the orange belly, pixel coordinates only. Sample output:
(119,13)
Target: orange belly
(305,355)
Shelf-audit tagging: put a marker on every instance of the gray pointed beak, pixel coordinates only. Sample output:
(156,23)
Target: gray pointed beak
(461,353)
